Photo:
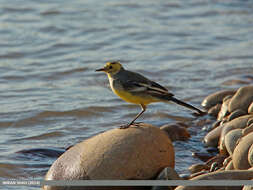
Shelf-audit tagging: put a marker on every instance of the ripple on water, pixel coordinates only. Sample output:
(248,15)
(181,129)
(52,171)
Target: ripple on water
(51,96)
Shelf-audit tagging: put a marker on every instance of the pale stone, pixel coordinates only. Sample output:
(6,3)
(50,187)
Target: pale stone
(216,98)
(139,152)
(242,99)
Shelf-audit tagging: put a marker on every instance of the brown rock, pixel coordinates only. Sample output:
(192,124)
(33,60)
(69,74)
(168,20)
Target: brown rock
(242,99)
(220,175)
(197,168)
(176,132)
(240,155)
(198,174)
(231,139)
(250,109)
(235,114)
(238,123)
(213,111)
(250,121)
(168,173)
(216,98)
(247,130)
(250,156)
(230,166)
(224,109)
(139,152)
(226,161)
(212,138)
(203,156)
(218,159)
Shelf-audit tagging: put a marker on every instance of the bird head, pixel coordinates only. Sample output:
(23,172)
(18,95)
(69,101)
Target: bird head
(111,67)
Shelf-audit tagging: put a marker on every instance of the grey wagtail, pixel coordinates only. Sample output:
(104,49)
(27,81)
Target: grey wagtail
(137,89)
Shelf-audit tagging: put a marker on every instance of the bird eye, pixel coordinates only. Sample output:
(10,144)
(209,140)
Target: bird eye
(110,67)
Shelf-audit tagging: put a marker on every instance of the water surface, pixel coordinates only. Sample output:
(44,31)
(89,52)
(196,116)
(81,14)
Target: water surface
(51,97)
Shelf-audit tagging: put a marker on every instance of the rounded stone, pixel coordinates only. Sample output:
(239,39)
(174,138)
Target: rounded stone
(250,156)
(242,99)
(224,109)
(220,175)
(247,130)
(230,166)
(240,155)
(168,173)
(238,123)
(197,168)
(212,138)
(213,111)
(176,132)
(250,121)
(138,152)
(226,161)
(250,109)
(231,139)
(236,113)
(216,98)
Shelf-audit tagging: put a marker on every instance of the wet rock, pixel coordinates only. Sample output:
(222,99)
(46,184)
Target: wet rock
(250,109)
(184,176)
(231,139)
(216,124)
(224,109)
(198,173)
(41,152)
(197,168)
(240,155)
(250,156)
(226,161)
(220,175)
(242,99)
(203,156)
(230,166)
(235,114)
(166,174)
(216,98)
(139,152)
(213,111)
(238,123)
(212,150)
(218,159)
(176,132)
(250,121)
(212,138)
(214,167)
(247,130)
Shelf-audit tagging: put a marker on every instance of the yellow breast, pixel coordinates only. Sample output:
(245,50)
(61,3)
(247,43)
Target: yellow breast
(135,99)
(130,97)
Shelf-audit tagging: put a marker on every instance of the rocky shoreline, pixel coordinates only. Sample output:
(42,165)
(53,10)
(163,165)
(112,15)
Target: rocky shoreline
(146,152)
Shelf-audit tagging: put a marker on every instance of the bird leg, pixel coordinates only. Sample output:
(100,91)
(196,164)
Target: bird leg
(143,107)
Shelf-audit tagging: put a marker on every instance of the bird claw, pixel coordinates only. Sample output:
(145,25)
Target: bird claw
(124,126)
(129,124)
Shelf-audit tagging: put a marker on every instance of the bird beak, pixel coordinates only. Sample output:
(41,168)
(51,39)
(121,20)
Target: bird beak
(102,69)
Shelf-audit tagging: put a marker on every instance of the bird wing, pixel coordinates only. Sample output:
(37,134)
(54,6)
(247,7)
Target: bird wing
(151,87)
(136,83)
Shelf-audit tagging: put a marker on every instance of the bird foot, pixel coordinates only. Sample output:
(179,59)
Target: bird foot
(124,126)
(128,125)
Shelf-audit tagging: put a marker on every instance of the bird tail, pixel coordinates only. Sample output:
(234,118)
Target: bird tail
(179,102)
